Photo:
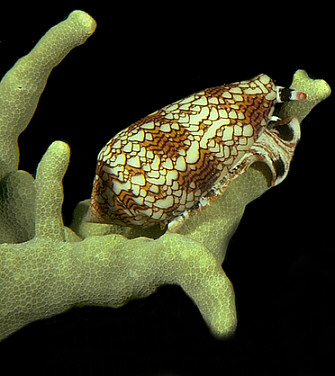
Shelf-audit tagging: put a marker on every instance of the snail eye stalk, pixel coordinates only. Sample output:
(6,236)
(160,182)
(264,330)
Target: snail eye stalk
(285,95)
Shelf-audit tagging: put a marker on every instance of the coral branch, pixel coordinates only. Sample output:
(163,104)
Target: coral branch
(20,90)
(49,191)
(22,86)
(48,275)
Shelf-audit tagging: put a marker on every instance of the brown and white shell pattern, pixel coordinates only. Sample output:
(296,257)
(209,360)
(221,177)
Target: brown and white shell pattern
(160,167)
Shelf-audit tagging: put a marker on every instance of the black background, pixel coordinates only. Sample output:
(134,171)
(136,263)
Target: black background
(281,258)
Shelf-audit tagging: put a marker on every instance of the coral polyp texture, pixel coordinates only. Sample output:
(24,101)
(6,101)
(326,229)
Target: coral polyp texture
(47,268)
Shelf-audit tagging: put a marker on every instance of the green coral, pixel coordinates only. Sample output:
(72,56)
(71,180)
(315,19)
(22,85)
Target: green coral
(47,268)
